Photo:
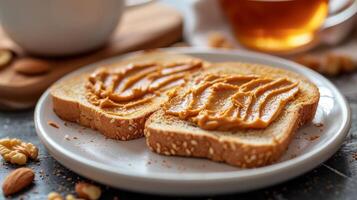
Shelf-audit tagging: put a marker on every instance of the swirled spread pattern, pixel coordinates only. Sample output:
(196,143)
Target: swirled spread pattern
(135,84)
(225,102)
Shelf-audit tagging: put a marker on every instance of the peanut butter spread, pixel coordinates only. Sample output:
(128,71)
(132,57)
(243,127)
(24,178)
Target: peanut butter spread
(127,87)
(225,102)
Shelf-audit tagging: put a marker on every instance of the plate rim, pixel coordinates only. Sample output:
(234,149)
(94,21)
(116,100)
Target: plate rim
(332,144)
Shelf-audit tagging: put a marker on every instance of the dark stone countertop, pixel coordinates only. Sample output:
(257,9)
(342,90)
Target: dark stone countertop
(334,179)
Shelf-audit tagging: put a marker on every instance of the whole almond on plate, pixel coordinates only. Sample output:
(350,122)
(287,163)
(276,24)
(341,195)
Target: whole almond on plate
(88,191)
(17,180)
(31,66)
(6,57)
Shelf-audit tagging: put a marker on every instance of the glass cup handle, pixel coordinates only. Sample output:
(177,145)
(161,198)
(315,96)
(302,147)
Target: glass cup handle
(340,17)
(337,26)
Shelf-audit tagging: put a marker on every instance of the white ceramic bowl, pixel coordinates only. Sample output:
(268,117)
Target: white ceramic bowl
(60,27)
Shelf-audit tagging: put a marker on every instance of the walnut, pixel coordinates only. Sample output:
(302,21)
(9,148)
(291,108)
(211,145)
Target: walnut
(218,40)
(329,64)
(54,196)
(58,196)
(16,151)
(88,191)
(70,197)
(343,62)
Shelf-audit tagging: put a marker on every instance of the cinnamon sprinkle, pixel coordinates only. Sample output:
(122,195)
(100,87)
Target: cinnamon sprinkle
(319,125)
(312,138)
(53,124)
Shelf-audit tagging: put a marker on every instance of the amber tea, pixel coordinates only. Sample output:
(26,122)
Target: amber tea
(275,25)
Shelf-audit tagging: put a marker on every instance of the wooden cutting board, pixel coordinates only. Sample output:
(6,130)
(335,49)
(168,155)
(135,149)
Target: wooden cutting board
(150,26)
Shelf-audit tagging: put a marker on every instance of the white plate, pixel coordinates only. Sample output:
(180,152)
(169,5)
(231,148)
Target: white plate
(130,165)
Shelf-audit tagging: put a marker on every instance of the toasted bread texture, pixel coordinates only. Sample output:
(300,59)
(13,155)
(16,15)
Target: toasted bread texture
(246,148)
(70,101)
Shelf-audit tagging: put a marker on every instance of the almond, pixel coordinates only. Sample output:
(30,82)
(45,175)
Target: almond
(88,191)
(218,40)
(6,57)
(17,180)
(30,66)
(329,64)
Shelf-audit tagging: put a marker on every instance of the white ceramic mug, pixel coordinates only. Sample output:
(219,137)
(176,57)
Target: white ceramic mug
(60,27)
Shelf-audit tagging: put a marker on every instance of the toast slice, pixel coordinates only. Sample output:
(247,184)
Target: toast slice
(78,100)
(243,147)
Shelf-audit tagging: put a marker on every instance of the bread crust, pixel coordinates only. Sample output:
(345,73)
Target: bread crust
(121,127)
(109,126)
(171,142)
(174,142)
(232,152)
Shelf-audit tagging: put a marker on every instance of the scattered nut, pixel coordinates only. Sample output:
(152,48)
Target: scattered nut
(313,137)
(88,191)
(218,40)
(17,180)
(343,62)
(57,196)
(71,197)
(54,196)
(30,67)
(6,56)
(330,64)
(16,151)
(309,61)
